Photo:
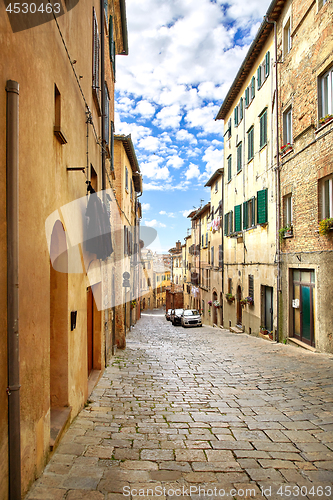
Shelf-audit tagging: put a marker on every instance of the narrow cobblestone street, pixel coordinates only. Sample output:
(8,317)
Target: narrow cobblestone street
(198,412)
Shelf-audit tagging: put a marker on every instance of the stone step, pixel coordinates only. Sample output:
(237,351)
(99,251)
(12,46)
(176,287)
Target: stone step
(235,329)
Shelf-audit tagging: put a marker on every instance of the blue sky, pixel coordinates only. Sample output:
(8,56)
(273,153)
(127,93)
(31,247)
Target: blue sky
(183,57)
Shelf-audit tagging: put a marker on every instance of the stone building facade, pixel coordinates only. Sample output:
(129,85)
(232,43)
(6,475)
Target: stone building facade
(305,51)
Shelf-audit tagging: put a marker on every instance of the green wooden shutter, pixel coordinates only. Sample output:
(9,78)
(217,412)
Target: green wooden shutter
(245,215)
(267,64)
(253,213)
(259,77)
(226,219)
(247,100)
(262,206)
(238,218)
(253,83)
(241,108)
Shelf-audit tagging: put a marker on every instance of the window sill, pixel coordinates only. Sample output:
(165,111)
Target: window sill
(250,159)
(262,147)
(321,126)
(287,152)
(239,171)
(60,135)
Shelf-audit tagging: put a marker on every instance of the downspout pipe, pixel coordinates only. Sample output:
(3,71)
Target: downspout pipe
(12,194)
(277,170)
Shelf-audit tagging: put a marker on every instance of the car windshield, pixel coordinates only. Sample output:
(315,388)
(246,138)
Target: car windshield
(178,311)
(191,312)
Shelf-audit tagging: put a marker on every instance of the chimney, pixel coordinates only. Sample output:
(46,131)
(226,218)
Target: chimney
(178,245)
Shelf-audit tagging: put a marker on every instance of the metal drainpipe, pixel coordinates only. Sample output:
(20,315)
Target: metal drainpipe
(277,170)
(12,190)
(103,94)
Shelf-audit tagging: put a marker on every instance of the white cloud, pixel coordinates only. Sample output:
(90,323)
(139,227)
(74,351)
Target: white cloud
(149,143)
(168,117)
(214,160)
(168,214)
(145,206)
(145,109)
(154,223)
(184,136)
(186,213)
(192,172)
(175,162)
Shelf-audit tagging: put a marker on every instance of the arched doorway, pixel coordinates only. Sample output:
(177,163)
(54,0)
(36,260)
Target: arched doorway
(221,309)
(58,317)
(215,309)
(239,306)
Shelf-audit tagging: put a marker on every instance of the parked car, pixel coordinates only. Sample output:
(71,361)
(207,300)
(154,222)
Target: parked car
(167,314)
(175,316)
(191,317)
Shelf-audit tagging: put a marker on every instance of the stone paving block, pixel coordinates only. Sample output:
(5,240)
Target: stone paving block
(71,449)
(193,444)
(269,446)
(177,466)
(219,455)
(81,482)
(156,455)
(277,436)
(279,455)
(44,493)
(126,454)
(276,464)
(139,465)
(223,466)
(165,475)
(300,436)
(190,456)
(99,451)
(264,474)
(231,445)
(200,477)
(244,435)
(84,495)
(326,465)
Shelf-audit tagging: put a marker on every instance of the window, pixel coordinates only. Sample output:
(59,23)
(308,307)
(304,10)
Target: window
(326,197)
(326,94)
(238,218)
(126,178)
(212,256)
(112,148)
(220,256)
(96,62)
(239,157)
(262,206)
(57,117)
(263,129)
(253,84)
(287,210)
(229,168)
(250,144)
(216,186)
(249,215)
(107,114)
(287,126)
(112,48)
(287,37)
(251,286)
(238,112)
(229,285)
(263,71)
(228,131)
(228,223)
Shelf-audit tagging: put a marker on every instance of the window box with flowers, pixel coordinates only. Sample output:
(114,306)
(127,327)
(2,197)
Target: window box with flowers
(326,226)
(249,301)
(325,119)
(216,303)
(243,302)
(230,298)
(133,304)
(286,148)
(286,232)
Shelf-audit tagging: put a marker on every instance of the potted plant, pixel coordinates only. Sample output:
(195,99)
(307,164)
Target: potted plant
(325,119)
(285,148)
(249,300)
(230,298)
(286,231)
(133,304)
(216,303)
(325,226)
(243,302)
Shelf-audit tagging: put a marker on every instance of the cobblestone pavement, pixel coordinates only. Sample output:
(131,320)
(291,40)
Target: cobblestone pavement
(200,413)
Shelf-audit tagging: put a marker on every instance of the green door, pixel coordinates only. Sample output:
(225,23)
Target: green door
(306,312)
